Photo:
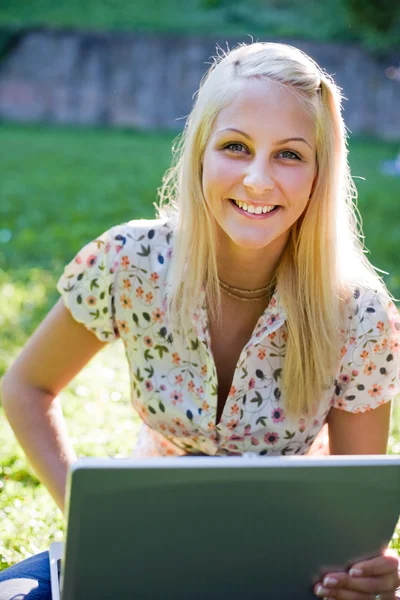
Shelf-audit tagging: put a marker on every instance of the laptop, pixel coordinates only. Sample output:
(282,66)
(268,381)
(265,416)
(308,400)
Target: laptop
(227,528)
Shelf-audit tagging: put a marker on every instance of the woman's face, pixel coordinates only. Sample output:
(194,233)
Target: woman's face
(268,166)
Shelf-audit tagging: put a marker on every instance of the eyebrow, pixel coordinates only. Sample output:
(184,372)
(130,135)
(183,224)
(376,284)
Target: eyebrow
(284,141)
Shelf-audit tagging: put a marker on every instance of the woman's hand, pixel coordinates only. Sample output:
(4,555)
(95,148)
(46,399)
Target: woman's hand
(366,580)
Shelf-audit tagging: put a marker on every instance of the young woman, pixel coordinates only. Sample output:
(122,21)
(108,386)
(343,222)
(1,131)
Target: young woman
(249,313)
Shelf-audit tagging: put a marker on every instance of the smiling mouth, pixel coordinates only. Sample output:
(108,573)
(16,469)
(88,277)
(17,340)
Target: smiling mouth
(250,209)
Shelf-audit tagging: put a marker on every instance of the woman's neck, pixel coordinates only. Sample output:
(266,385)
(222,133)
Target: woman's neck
(247,268)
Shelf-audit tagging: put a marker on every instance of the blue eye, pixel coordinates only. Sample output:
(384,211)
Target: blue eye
(289,154)
(229,146)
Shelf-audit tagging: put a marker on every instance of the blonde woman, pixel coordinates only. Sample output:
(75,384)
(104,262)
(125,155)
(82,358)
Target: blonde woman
(248,310)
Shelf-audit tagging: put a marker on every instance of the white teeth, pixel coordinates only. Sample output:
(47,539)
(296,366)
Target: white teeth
(253,210)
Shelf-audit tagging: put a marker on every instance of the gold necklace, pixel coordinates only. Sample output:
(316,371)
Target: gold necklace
(230,290)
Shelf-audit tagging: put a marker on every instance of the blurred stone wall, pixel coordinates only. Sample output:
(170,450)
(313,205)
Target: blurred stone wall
(148,81)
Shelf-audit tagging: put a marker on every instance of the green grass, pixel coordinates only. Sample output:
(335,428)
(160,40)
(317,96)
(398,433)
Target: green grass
(59,189)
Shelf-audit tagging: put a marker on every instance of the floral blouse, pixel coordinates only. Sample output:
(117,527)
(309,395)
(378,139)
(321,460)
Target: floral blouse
(116,287)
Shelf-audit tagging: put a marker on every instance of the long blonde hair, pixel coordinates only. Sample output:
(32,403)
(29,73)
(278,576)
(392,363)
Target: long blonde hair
(324,259)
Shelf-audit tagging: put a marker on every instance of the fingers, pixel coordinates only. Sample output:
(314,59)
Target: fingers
(352,588)
(380,565)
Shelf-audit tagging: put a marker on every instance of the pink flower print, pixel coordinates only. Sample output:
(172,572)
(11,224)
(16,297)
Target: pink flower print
(352,341)
(200,391)
(355,373)
(162,426)
(177,422)
(315,423)
(343,351)
(118,248)
(107,248)
(139,292)
(78,260)
(380,325)
(384,344)
(211,425)
(114,267)
(178,379)
(191,385)
(234,409)
(148,385)
(377,348)
(172,430)
(169,252)
(176,359)
(91,300)
(278,415)
(341,404)
(302,425)
(273,301)
(125,261)
(158,316)
(148,341)
(149,298)
(252,383)
(233,423)
(364,354)
(123,326)
(154,277)
(176,398)
(271,437)
(126,301)
(232,391)
(203,370)
(247,429)
(344,378)
(369,368)
(254,441)
(261,353)
(272,319)
(272,335)
(127,284)
(375,390)
(394,346)
(91,260)
(205,406)
(163,387)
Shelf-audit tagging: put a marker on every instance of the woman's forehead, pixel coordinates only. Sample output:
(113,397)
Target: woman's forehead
(263,107)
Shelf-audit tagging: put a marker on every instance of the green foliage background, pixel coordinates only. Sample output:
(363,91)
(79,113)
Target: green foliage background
(374,23)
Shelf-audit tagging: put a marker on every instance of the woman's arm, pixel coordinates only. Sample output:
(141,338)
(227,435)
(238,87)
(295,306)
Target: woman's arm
(365,433)
(55,353)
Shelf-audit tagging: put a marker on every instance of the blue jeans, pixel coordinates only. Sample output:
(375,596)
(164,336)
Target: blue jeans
(28,579)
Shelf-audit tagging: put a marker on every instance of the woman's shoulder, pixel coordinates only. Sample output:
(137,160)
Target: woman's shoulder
(366,301)
(143,230)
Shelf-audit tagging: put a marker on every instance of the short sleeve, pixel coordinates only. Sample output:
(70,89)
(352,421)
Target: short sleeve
(369,373)
(87,284)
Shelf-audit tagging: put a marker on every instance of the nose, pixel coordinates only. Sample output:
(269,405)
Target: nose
(258,178)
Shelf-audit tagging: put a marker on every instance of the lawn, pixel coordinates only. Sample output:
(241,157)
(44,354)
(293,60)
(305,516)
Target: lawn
(59,189)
